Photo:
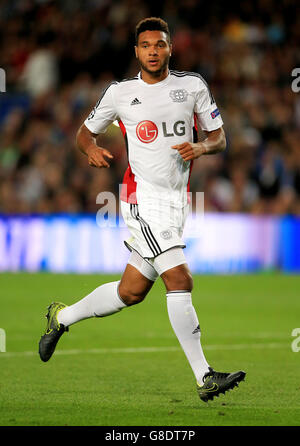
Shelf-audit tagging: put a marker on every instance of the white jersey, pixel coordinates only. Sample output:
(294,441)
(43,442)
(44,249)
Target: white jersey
(153,118)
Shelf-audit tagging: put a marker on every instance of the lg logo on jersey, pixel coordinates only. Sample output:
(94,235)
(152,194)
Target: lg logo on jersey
(178,129)
(147,131)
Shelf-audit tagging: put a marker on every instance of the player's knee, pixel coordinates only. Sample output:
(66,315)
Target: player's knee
(178,279)
(129,297)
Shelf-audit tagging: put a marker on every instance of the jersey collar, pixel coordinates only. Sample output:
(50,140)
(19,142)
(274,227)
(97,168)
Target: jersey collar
(163,82)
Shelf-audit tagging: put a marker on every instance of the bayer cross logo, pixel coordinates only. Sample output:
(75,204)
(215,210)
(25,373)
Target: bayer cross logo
(166,234)
(146,131)
(179,95)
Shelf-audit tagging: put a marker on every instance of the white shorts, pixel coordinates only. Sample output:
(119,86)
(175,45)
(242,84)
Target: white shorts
(153,229)
(152,268)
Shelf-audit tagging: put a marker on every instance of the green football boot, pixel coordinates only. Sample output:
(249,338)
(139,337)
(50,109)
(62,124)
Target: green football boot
(53,332)
(215,383)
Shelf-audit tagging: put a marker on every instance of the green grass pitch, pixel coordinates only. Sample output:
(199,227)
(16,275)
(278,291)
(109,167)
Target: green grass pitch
(128,369)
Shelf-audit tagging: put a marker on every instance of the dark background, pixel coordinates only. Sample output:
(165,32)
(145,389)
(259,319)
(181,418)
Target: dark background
(59,55)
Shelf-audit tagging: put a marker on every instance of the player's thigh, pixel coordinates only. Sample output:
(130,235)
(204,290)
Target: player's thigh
(134,286)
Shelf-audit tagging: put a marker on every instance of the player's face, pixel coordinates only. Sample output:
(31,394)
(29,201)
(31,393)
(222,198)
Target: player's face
(153,52)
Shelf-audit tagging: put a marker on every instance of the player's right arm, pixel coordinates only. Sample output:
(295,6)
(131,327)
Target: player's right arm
(103,114)
(86,143)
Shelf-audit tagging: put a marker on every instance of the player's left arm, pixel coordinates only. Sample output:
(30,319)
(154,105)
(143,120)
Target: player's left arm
(214,142)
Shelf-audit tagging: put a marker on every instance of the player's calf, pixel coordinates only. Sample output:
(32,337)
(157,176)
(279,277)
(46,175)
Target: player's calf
(134,286)
(129,298)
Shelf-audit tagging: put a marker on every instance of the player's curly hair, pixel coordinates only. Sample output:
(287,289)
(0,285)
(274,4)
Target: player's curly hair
(152,24)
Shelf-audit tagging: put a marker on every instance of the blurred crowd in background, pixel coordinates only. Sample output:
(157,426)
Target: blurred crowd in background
(59,55)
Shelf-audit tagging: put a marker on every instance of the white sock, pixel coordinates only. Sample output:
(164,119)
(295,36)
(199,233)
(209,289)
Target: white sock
(103,301)
(185,324)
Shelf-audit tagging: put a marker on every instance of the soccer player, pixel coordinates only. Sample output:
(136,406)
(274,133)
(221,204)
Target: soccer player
(157,111)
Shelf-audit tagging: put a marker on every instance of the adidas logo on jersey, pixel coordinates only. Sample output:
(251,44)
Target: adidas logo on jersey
(135,102)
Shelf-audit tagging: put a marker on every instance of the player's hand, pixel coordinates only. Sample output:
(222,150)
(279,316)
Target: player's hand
(190,151)
(96,156)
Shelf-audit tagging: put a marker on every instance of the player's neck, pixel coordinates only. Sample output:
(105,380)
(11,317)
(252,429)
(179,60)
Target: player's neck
(150,78)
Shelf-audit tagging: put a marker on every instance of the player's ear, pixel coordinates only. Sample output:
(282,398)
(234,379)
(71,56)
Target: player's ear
(171,49)
(135,50)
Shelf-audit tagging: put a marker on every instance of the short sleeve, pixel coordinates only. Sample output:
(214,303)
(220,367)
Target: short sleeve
(208,114)
(104,112)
